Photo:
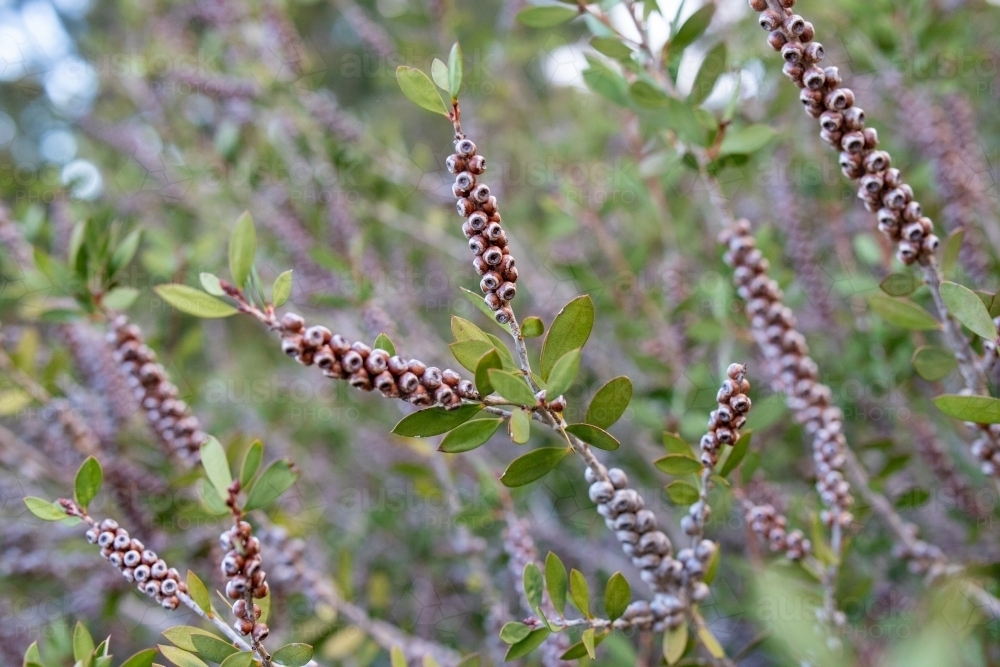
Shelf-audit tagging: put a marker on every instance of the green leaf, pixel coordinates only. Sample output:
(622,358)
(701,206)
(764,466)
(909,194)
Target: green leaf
(952,248)
(968,309)
(198,593)
(711,69)
(281,289)
(143,658)
(579,591)
(675,643)
(382,342)
(527,645)
(470,435)
(455,71)
(692,29)
(419,89)
(713,567)
(505,355)
(587,639)
(469,661)
(469,352)
(899,284)
(903,313)
(746,140)
(211,284)
(647,95)
(610,402)
(397,657)
(710,643)
(83,643)
(275,480)
(125,251)
(548,16)
(682,493)
(194,302)
(212,648)
(512,387)
(534,585)
(33,655)
(933,363)
(569,331)
(76,240)
(120,298)
(434,421)
(242,248)
(439,72)
(265,607)
(45,510)
(532,466)
(489,360)
(88,482)
(462,329)
(251,463)
(181,636)
(617,595)
(213,460)
(580,649)
(678,464)
(532,327)
(739,450)
(182,658)
(976,409)
(520,426)
(594,436)
(242,659)
(293,655)
(512,632)
(611,47)
(556,582)
(563,374)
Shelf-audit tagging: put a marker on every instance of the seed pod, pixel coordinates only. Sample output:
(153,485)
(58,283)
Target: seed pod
(465,148)
(769,20)
(477,164)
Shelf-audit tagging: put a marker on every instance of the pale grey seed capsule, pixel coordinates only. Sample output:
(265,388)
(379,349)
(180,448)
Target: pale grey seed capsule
(618,478)
(645,521)
(601,492)
(627,536)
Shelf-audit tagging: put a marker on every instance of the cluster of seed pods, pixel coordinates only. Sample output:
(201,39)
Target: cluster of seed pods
(168,416)
(137,563)
(677,581)
(881,186)
(487,239)
(366,368)
(773,325)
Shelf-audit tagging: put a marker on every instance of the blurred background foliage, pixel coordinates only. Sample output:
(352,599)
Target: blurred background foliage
(174,117)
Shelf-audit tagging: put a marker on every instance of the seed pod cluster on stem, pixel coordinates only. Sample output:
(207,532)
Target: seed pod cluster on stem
(487,238)
(242,565)
(795,373)
(677,581)
(724,424)
(140,565)
(366,368)
(882,188)
(169,416)
(772,527)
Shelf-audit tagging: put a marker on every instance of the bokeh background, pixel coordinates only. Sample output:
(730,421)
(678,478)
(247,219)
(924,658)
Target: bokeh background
(174,117)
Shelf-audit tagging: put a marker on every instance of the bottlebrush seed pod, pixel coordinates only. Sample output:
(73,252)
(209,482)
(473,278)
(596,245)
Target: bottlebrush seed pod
(507,291)
(814,78)
(791,52)
(464,182)
(795,24)
(770,20)
(808,33)
(758,5)
(477,164)
(478,221)
(455,163)
(481,194)
(777,40)
(490,281)
(493,255)
(465,207)
(465,148)
(813,52)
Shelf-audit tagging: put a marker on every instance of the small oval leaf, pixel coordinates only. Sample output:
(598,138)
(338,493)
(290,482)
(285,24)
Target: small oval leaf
(469,435)
(193,301)
(242,248)
(610,402)
(594,436)
(532,466)
(434,421)
(420,90)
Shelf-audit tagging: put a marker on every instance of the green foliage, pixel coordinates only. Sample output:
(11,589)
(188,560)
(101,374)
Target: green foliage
(569,331)
(610,402)
(469,435)
(420,90)
(533,466)
(274,481)
(556,582)
(88,482)
(242,249)
(194,302)
(548,16)
(434,421)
